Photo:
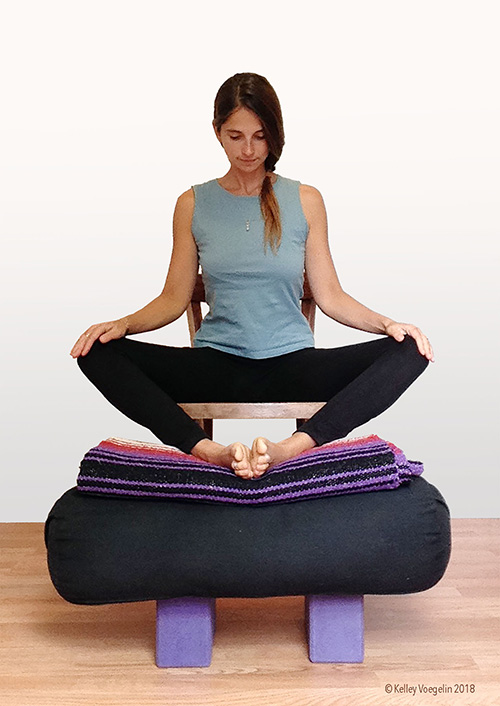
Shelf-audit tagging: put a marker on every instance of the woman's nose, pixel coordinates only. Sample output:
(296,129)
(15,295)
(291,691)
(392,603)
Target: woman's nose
(247,148)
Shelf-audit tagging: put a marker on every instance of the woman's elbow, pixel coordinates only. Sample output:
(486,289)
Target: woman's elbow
(329,301)
(174,305)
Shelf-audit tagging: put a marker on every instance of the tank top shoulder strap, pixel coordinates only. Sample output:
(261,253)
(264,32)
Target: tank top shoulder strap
(288,195)
(206,191)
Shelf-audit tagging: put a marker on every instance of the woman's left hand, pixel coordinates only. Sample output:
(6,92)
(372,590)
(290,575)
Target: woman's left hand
(398,331)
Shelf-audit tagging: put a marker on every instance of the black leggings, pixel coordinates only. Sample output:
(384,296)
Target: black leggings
(145,381)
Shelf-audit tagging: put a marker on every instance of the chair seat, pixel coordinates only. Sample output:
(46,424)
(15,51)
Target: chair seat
(251,410)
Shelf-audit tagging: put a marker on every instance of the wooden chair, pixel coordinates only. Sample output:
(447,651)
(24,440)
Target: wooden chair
(205,412)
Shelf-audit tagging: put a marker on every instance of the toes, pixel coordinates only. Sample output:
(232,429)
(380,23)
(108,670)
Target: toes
(260,450)
(241,463)
(244,473)
(261,466)
(262,462)
(259,459)
(261,445)
(260,471)
(240,458)
(239,466)
(238,452)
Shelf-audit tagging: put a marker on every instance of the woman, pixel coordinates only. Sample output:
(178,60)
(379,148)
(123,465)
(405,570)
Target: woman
(253,233)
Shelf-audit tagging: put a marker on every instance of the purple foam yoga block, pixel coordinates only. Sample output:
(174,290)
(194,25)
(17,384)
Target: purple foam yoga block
(184,632)
(335,628)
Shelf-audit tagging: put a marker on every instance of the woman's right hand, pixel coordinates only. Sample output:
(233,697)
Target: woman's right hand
(105,332)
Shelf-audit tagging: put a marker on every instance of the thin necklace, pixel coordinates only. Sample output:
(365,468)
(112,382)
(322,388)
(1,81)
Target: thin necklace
(247,221)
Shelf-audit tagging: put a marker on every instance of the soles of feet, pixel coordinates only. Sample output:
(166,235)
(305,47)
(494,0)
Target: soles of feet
(254,462)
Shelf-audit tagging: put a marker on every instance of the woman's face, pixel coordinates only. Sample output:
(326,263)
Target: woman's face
(243,140)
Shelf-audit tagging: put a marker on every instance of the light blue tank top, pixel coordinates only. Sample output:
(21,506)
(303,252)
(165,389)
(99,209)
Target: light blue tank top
(253,296)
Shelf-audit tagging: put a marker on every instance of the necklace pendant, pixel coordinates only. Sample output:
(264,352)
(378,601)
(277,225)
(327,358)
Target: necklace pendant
(247,225)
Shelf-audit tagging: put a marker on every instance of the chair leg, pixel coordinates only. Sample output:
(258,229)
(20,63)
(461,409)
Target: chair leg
(335,628)
(208,426)
(185,630)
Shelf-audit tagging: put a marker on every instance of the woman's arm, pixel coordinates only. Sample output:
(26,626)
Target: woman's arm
(175,296)
(326,288)
(181,277)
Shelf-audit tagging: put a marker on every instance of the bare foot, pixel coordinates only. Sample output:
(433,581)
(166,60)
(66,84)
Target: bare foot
(236,456)
(265,453)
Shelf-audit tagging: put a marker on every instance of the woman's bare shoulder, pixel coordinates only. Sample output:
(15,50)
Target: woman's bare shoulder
(186,198)
(312,203)
(311,193)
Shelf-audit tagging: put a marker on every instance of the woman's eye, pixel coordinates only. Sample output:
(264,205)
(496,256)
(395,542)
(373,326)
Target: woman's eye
(237,137)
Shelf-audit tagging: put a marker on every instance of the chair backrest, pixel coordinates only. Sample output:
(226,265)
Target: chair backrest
(194,309)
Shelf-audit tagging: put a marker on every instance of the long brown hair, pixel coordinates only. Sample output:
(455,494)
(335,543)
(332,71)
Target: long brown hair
(256,93)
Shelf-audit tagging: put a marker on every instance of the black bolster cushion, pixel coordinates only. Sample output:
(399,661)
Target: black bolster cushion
(115,549)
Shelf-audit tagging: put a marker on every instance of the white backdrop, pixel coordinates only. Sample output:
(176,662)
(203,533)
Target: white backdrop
(391,109)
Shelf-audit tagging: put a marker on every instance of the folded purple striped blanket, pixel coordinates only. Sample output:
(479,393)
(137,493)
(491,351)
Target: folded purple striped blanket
(144,470)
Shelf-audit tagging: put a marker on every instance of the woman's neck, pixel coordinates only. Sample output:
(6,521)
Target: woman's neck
(242,183)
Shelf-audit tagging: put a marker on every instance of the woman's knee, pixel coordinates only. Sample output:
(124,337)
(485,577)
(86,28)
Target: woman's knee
(96,353)
(409,348)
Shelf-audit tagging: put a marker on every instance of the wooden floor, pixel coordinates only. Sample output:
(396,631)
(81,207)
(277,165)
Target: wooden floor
(53,653)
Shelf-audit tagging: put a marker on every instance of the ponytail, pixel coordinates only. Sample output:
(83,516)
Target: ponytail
(270,210)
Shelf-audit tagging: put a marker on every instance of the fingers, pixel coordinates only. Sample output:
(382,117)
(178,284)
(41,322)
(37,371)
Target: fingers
(83,344)
(398,331)
(422,342)
(88,338)
(105,332)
